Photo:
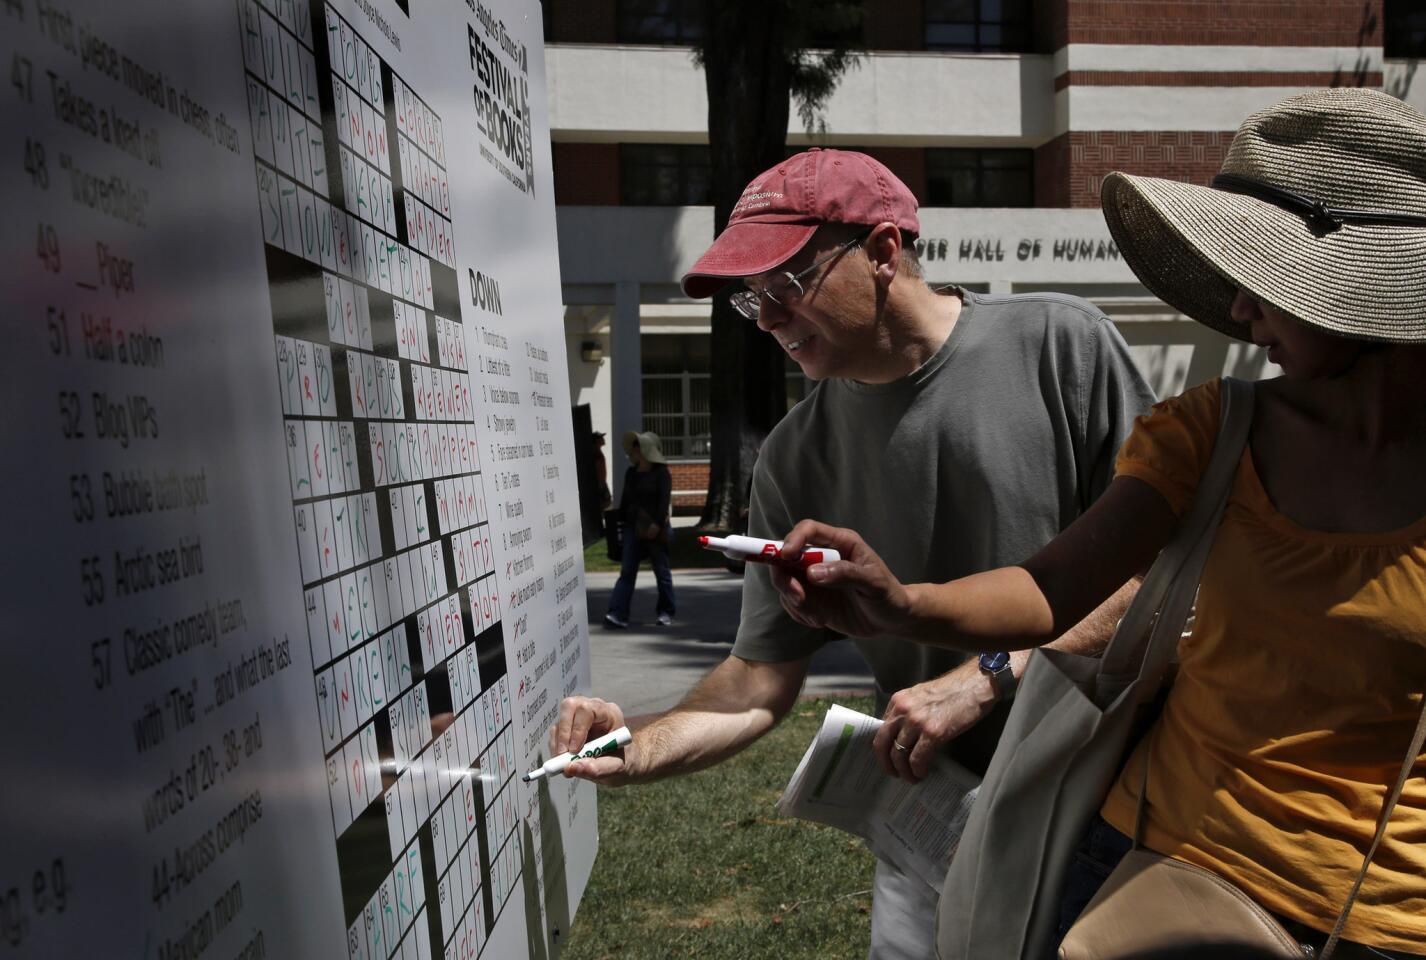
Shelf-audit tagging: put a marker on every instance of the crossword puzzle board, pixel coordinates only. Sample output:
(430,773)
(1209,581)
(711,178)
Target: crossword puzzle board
(302,585)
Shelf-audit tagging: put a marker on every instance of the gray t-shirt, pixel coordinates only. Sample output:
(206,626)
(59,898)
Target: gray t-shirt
(974,461)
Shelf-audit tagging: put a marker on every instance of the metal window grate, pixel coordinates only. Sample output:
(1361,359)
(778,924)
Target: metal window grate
(977,25)
(675,389)
(663,22)
(979,177)
(664,175)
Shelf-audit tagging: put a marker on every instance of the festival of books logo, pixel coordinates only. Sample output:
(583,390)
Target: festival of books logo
(502,106)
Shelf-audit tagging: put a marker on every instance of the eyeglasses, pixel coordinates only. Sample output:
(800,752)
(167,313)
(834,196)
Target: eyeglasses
(786,288)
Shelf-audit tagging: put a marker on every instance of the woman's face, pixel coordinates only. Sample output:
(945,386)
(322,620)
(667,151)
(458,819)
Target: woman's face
(635,457)
(1304,352)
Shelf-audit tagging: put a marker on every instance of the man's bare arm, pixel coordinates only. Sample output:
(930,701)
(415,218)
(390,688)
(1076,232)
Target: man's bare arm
(735,704)
(1092,634)
(925,717)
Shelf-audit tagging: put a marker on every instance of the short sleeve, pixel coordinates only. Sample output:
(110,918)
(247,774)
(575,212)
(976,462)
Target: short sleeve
(765,632)
(1170,446)
(1115,394)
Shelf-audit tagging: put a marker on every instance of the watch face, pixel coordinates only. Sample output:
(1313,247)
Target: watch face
(994,662)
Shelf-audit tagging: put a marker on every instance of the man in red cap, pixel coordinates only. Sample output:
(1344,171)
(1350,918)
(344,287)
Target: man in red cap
(955,431)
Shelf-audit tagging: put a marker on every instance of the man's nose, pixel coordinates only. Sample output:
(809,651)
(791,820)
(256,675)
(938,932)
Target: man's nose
(771,314)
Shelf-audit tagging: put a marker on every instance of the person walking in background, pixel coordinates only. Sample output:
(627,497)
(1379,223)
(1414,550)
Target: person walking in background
(601,468)
(644,509)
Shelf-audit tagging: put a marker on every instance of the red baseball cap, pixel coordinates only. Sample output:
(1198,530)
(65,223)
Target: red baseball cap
(781,209)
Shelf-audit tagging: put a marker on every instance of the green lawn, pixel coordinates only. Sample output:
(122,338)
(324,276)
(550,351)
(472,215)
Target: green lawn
(703,866)
(684,554)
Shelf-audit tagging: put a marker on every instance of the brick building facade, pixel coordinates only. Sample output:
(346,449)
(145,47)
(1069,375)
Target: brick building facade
(1003,117)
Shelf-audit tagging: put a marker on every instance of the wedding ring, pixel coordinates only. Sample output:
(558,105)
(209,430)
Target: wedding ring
(900,746)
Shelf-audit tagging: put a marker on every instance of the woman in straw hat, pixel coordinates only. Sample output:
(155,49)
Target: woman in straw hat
(644,510)
(1300,686)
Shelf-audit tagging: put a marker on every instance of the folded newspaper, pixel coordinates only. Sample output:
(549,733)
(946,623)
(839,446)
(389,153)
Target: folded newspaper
(839,782)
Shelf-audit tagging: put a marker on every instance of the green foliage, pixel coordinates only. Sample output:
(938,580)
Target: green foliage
(821,41)
(704,866)
(821,57)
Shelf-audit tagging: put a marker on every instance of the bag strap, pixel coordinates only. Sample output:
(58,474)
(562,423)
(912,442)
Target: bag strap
(1412,752)
(1174,575)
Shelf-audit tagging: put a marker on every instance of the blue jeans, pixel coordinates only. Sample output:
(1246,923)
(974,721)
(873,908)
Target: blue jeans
(1099,853)
(1103,847)
(634,551)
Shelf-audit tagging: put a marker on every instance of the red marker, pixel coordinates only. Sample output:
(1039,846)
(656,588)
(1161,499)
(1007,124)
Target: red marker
(767,551)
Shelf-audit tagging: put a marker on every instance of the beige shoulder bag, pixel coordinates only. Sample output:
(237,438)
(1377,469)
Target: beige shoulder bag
(1152,902)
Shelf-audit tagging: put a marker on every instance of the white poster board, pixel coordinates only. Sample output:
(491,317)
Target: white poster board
(294,582)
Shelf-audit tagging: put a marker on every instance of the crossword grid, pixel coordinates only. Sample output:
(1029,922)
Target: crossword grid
(389,509)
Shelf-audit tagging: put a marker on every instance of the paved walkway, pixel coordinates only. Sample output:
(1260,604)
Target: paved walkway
(647,667)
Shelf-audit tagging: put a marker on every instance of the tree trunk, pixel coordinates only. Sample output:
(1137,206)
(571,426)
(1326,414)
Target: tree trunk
(749,86)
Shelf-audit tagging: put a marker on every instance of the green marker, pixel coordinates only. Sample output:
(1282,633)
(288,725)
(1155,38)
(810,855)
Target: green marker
(598,747)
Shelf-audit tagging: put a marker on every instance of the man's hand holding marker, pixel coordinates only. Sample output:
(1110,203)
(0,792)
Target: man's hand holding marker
(595,747)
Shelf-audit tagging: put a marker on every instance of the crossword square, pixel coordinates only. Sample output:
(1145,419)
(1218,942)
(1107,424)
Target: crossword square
(327,709)
(316,606)
(337,793)
(336,617)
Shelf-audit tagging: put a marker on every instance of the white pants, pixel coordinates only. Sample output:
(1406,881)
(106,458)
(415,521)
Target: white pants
(903,916)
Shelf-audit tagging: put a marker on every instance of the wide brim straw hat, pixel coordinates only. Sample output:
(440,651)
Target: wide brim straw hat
(649,446)
(1319,211)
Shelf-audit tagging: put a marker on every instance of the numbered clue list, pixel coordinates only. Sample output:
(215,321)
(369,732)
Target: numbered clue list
(134,660)
(411,694)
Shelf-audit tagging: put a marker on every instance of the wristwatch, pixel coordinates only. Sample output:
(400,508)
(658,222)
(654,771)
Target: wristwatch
(996,666)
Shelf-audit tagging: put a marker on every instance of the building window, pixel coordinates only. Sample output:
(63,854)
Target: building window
(977,25)
(979,178)
(663,22)
(675,392)
(664,174)
(1404,34)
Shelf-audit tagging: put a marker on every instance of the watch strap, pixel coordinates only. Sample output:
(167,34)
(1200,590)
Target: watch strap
(1005,681)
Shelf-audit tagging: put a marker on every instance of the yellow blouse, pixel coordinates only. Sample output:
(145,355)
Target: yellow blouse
(1295,701)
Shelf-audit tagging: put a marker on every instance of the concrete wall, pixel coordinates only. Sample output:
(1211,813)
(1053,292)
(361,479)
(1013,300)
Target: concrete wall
(1405,79)
(656,245)
(656,94)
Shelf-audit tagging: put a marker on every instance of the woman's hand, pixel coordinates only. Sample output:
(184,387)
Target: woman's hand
(856,595)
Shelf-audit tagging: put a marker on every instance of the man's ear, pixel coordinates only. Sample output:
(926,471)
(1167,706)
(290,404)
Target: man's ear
(883,246)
